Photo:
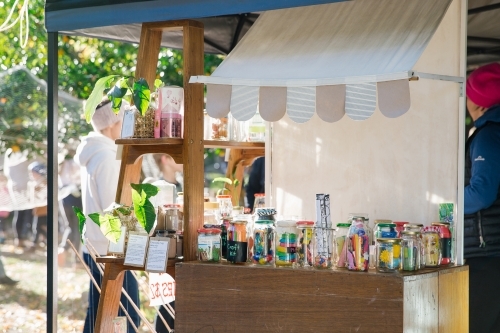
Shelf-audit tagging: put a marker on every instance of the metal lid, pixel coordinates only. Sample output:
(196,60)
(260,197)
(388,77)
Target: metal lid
(401,222)
(387,225)
(408,232)
(343,225)
(382,221)
(389,240)
(259,195)
(441,223)
(414,225)
(213,231)
(172,206)
(305,223)
(286,223)
(223,196)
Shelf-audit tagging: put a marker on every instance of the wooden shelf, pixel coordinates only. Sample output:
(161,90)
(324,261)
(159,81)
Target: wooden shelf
(176,141)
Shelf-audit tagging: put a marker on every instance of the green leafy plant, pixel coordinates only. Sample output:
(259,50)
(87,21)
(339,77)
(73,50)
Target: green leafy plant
(109,222)
(228,185)
(119,88)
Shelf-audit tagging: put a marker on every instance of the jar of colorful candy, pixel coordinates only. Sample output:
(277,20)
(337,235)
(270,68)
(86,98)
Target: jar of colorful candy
(445,240)
(340,249)
(209,245)
(358,247)
(286,243)
(263,242)
(323,248)
(388,254)
(432,248)
(410,251)
(385,230)
(237,240)
(305,244)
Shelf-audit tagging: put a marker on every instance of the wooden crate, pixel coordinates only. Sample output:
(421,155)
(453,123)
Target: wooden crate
(233,298)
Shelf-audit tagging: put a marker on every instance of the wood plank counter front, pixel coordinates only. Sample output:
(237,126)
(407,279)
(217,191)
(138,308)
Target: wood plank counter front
(232,298)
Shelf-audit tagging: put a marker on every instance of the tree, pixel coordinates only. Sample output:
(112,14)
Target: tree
(82,61)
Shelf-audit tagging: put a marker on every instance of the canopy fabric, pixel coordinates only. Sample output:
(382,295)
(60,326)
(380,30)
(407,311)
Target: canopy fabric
(483,31)
(289,53)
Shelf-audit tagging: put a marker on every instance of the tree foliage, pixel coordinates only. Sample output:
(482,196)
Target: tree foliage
(81,62)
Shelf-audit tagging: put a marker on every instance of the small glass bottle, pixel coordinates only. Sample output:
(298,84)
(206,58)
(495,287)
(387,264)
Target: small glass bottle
(323,248)
(286,243)
(432,248)
(263,242)
(410,251)
(388,254)
(445,240)
(209,245)
(225,206)
(305,244)
(340,244)
(237,241)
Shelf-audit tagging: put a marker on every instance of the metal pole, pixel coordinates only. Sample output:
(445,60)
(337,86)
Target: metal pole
(52,190)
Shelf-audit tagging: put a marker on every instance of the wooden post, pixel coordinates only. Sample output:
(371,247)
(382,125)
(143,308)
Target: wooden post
(193,148)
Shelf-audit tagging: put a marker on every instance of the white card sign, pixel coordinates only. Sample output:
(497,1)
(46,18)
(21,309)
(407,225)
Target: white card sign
(136,249)
(128,125)
(161,289)
(157,254)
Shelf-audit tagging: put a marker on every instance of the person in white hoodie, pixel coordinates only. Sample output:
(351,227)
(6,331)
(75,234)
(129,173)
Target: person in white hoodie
(99,171)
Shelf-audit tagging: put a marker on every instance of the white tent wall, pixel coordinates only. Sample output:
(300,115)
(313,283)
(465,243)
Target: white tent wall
(397,169)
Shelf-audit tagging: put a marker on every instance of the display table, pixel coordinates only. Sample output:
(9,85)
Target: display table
(238,298)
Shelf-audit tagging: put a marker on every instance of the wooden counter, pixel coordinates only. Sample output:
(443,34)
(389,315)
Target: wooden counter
(232,298)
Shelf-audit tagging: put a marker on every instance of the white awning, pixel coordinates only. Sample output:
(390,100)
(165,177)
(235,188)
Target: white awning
(330,59)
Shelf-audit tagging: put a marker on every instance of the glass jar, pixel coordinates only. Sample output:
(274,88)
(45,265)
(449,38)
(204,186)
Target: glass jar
(285,244)
(257,129)
(445,241)
(171,125)
(207,126)
(400,227)
(260,201)
(237,241)
(209,245)
(363,218)
(225,206)
(305,244)
(238,129)
(323,248)
(224,227)
(263,242)
(385,230)
(413,227)
(211,213)
(172,244)
(432,248)
(410,251)
(388,254)
(340,244)
(374,229)
(220,129)
(358,247)
(172,216)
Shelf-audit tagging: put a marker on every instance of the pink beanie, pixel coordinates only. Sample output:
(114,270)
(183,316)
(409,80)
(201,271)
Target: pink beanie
(483,85)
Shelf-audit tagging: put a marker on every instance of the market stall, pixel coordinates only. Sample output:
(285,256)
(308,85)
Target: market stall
(400,162)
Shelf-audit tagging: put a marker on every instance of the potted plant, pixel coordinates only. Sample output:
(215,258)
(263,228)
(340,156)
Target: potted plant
(141,213)
(228,188)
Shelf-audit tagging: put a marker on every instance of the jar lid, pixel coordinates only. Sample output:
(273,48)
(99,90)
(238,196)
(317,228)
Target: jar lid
(265,211)
(210,205)
(343,225)
(305,223)
(259,195)
(286,223)
(441,223)
(239,222)
(223,196)
(389,240)
(209,231)
(180,193)
(409,232)
(172,206)
(382,221)
(264,221)
(387,225)
(400,222)
(414,225)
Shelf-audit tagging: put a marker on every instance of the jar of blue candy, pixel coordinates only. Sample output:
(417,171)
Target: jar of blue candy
(388,254)
(385,230)
(286,243)
(263,242)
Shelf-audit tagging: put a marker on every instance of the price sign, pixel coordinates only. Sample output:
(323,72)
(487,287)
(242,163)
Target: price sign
(161,288)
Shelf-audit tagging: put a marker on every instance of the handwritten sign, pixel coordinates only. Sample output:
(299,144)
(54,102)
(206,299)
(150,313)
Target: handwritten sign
(161,288)
(128,124)
(136,249)
(157,254)
(237,251)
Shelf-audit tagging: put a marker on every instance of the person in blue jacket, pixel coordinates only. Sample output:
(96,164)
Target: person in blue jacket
(482,199)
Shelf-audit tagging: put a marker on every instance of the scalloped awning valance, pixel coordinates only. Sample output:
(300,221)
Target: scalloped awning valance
(331,59)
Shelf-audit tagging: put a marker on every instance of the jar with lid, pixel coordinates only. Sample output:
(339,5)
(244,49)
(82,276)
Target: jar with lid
(237,240)
(400,226)
(238,129)
(263,242)
(260,201)
(432,248)
(323,248)
(388,254)
(209,245)
(285,244)
(413,227)
(374,229)
(172,216)
(257,129)
(220,129)
(363,218)
(172,244)
(410,251)
(211,214)
(225,206)
(445,241)
(385,230)
(305,230)
(358,247)
(340,244)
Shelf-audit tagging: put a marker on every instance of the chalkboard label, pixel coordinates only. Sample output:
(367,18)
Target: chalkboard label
(237,251)
(223,236)
(445,247)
